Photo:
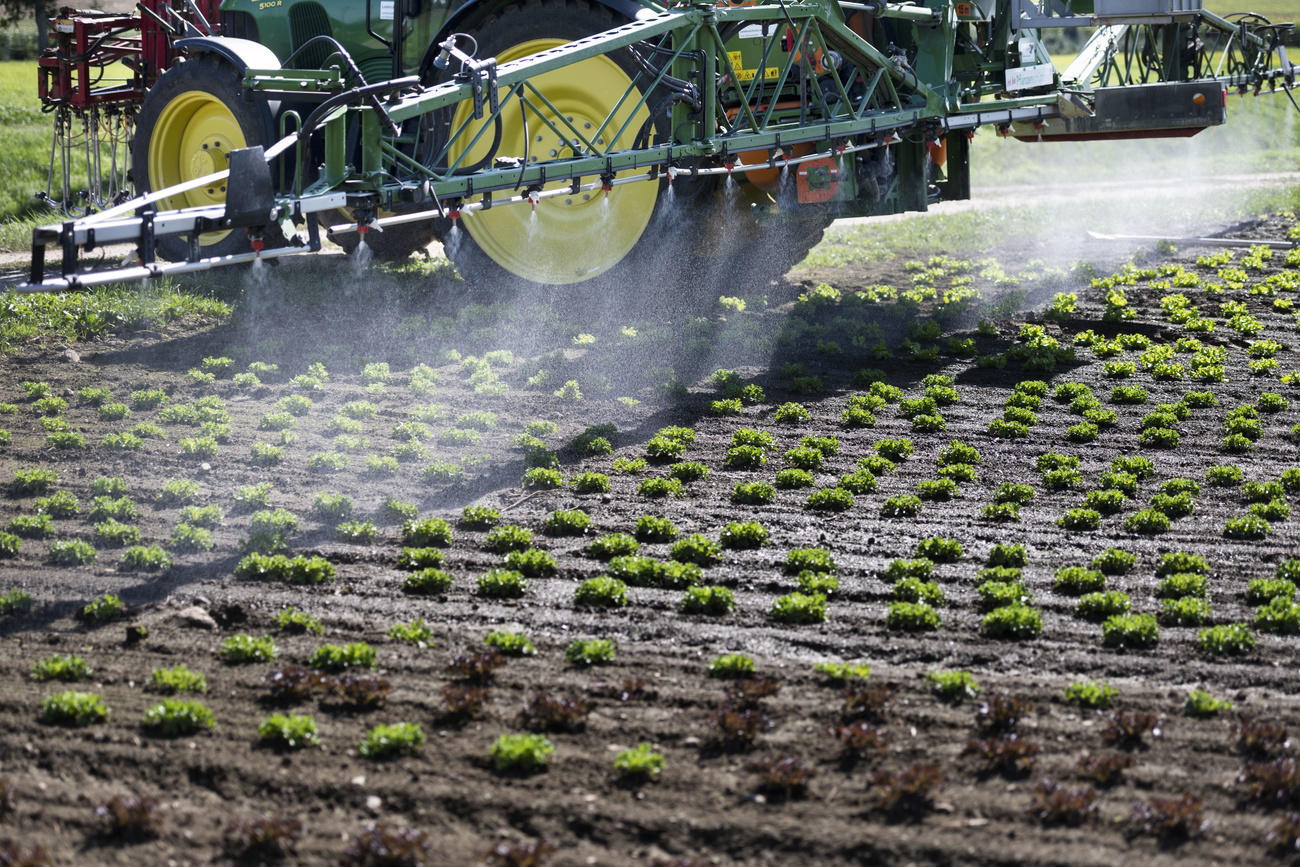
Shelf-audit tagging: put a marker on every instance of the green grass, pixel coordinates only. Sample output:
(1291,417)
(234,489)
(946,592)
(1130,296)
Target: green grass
(105,310)
(25,156)
(968,233)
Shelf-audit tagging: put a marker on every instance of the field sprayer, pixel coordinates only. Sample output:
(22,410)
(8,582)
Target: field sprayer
(559,140)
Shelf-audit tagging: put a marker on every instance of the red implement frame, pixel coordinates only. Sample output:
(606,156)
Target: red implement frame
(99,59)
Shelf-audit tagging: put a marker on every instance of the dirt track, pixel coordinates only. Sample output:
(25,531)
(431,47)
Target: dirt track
(705,804)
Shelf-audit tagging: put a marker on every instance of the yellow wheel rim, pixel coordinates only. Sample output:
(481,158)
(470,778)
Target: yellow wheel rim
(193,137)
(569,238)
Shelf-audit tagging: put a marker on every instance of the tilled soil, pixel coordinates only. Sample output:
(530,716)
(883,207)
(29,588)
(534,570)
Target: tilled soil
(708,803)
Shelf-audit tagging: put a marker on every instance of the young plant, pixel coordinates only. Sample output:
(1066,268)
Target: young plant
(590,651)
(1054,804)
(953,686)
(912,616)
(510,643)
(639,763)
(739,727)
(291,732)
(797,608)
(1182,584)
(909,792)
(711,601)
(743,535)
(732,665)
(533,563)
(939,549)
(830,500)
(696,549)
(429,533)
(502,584)
(1114,561)
(521,753)
(1090,693)
(601,592)
(613,545)
(179,678)
(145,558)
(71,552)
(1170,818)
(72,708)
(38,526)
(915,590)
(753,493)
(1130,631)
(391,741)
(651,529)
(658,487)
(244,649)
(1078,580)
(995,594)
(1099,606)
(480,517)
(174,717)
(1202,704)
(901,506)
(563,522)
(129,819)
(336,658)
(70,669)
(1015,622)
(1280,615)
(1227,639)
(102,610)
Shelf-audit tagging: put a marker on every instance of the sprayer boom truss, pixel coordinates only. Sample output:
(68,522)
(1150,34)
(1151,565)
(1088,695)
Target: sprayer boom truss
(718,90)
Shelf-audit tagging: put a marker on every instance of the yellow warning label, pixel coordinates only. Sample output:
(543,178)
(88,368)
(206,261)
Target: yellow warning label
(737,60)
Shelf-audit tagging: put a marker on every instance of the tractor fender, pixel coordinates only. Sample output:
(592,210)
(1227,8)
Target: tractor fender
(242,54)
(481,8)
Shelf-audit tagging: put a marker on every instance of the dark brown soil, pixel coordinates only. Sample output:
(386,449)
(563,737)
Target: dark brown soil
(706,804)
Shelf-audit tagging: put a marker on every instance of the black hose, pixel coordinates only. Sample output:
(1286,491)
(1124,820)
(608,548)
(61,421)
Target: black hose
(357,76)
(356,94)
(90,49)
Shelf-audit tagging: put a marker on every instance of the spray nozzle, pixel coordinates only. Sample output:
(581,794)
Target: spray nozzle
(729,166)
(673,172)
(534,196)
(607,184)
(256,242)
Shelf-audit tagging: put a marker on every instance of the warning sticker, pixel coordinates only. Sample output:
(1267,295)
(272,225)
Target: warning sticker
(742,74)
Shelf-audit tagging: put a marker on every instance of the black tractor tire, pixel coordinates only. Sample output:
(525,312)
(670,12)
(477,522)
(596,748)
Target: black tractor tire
(218,79)
(700,243)
(536,19)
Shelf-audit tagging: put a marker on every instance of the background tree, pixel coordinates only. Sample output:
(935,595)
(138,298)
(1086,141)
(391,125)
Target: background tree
(12,11)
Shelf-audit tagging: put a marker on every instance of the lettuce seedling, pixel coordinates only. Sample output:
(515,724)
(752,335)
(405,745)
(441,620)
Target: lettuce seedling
(391,741)
(175,717)
(292,732)
(521,753)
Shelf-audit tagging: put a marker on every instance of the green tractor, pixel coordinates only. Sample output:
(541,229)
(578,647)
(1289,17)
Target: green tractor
(196,112)
(689,146)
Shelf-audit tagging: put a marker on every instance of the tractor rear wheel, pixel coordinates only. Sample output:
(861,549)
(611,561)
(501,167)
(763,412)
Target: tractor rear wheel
(189,122)
(572,238)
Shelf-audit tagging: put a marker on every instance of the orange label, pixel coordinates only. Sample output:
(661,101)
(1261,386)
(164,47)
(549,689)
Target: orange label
(965,10)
